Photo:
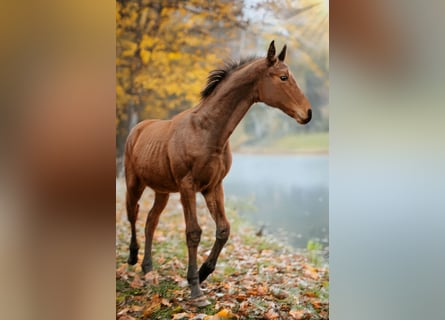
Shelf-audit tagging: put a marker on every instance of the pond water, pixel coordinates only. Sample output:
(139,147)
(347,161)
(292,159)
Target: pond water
(287,194)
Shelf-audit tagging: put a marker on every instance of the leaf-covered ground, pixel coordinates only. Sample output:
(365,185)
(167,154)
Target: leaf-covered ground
(256,277)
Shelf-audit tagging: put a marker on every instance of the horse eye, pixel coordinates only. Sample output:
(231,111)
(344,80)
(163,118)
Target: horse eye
(283,78)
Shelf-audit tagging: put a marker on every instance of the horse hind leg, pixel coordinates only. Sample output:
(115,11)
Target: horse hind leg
(159,204)
(134,192)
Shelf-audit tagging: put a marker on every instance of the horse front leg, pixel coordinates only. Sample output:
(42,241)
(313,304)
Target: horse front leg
(193,234)
(215,202)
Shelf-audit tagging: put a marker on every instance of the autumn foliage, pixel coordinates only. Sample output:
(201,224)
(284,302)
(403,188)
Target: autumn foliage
(164,51)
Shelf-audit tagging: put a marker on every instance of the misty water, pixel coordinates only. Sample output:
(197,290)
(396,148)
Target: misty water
(287,194)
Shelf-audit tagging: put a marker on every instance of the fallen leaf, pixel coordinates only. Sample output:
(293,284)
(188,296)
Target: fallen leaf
(279,294)
(126,317)
(311,272)
(152,278)
(178,278)
(153,305)
(223,314)
(297,314)
(200,302)
(262,290)
(123,311)
(316,303)
(165,302)
(310,294)
(241,297)
(243,306)
(181,315)
(137,308)
(137,282)
(121,271)
(271,315)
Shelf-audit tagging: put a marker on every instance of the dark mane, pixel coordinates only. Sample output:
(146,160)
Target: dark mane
(216,76)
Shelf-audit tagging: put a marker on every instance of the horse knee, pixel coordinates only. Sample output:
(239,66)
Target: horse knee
(194,237)
(223,233)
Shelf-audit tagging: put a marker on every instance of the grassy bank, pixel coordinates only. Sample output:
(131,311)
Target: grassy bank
(255,278)
(302,143)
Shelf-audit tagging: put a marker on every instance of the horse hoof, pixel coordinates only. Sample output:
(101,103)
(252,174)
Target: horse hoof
(146,268)
(200,301)
(132,260)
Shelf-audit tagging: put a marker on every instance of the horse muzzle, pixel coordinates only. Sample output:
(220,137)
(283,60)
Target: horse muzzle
(308,118)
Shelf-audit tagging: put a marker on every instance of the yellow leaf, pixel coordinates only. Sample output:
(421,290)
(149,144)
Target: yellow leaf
(152,306)
(174,55)
(311,272)
(129,48)
(147,41)
(145,56)
(223,314)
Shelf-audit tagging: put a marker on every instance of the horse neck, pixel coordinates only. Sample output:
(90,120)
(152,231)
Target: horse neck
(220,113)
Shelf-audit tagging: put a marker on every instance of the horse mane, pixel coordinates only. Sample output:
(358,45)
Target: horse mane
(216,76)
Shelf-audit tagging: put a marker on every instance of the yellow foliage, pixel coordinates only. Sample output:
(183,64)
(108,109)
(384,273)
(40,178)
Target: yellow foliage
(145,56)
(147,41)
(165,52)
(129,48)
(174,55)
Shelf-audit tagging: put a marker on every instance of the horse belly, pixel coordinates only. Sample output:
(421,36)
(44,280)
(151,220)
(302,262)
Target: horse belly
(158,177)
(154,168)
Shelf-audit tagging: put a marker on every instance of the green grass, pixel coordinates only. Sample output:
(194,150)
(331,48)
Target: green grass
(317,142)
(309,142)
(314,252)
(165,288)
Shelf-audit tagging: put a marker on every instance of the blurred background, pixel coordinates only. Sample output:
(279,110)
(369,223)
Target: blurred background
(165,50)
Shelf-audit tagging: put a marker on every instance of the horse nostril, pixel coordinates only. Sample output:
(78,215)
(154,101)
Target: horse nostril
(309,115)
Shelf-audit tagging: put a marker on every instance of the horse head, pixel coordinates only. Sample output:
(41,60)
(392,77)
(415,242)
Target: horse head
(278,88)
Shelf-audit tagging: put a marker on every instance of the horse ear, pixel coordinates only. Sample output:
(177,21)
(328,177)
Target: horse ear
(271,52)
(282,54)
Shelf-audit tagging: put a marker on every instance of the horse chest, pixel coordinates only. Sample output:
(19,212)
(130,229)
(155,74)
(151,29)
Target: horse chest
(210,172)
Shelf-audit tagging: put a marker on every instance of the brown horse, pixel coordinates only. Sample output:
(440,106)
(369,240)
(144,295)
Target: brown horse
(190,153)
